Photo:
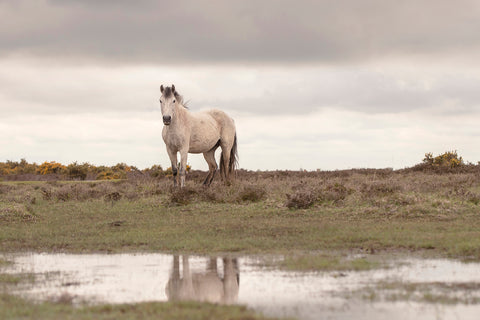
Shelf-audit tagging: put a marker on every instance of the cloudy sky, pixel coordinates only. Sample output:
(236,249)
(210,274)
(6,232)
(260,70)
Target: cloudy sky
(311,84)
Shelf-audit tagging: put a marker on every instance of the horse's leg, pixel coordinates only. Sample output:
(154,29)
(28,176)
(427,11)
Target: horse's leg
(225,158)
(212,166)
(173,159)
(183,166)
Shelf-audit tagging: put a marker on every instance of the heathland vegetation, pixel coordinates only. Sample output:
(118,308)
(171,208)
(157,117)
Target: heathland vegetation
(315,219)
(433,207)
(52,170)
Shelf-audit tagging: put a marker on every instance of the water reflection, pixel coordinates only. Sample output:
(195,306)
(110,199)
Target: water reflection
(204,286)
(403,291)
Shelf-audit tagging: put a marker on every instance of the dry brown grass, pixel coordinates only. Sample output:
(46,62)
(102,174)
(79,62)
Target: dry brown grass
(275,210)
(292,189)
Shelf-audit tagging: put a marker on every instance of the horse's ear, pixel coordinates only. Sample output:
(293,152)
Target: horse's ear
(173,88)
(161,88)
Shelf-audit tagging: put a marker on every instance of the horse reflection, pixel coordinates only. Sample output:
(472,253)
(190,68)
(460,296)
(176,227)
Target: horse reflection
(206,286)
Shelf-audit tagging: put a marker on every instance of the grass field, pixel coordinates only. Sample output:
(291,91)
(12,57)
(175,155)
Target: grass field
(315,219)
(263,212)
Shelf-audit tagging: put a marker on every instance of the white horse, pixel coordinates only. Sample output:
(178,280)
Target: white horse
(204,286)
(201,132)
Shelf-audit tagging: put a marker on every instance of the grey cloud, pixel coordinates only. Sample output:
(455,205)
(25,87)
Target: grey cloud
(366,92)
(283,31)
(279,91)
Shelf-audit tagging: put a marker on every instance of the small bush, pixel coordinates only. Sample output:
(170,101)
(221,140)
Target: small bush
(448,162)
(448,159)
(113,196)
(182,196)
(51,168)
(214,194)
(155,171)
(109,174)
(77,171)
(301,199)
(252,193)
(16,168)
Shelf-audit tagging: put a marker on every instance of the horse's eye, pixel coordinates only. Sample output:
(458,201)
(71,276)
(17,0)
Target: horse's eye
(173,101)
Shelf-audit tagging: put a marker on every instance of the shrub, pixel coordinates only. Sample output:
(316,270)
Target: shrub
(121,167)
(182,196)
(214,194)
(50,167)
(252,193)
(107,174)
(12,168)
(448,159)
(113,196)
(77,171)
(301,199)
(118,171)
(156,171)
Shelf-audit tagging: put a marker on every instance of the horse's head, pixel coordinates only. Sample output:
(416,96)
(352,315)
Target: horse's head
(168,100)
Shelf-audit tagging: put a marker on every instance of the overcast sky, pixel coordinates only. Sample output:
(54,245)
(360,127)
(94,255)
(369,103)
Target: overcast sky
(311,84)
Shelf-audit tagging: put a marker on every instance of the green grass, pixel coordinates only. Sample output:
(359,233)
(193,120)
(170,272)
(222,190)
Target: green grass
(353,212)
(329,262)
(147,225)
(424,292)
(16,308)
(366,210)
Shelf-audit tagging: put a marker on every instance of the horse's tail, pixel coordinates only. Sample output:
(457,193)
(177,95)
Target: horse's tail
(233,163)
(232,166)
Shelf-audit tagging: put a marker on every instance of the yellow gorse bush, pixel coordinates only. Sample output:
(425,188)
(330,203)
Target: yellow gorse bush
(50,167)
(13,167)
(118,171)
(448,159)
(73,171)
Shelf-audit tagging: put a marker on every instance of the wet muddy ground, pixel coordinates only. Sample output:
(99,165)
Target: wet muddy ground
(408,288)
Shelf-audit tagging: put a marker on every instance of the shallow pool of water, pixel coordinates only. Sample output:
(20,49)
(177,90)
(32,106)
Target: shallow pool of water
(408,289)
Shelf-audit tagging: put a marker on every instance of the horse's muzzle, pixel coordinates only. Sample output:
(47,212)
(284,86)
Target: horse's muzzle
(167,120)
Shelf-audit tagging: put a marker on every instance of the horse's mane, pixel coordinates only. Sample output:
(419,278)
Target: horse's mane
(179,98)
(167,92)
